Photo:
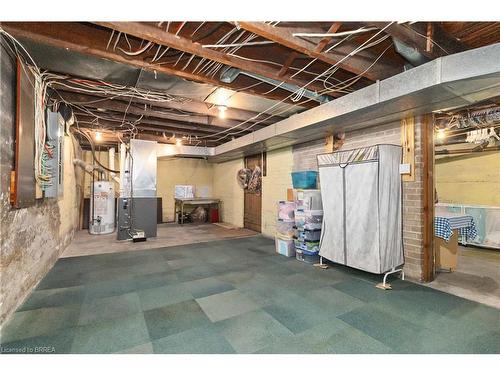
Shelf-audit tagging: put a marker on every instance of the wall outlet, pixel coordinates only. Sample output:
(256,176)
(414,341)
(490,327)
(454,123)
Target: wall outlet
(404,168)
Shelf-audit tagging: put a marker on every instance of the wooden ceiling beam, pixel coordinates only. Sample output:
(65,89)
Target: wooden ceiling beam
(323,42)
(161,37)
(420,38)
(83,39)
(290,59)
(88,121)
(97,103)
(193,106)
(110,139)
(358,64)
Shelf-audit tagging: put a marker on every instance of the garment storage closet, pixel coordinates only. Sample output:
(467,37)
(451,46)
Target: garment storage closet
(362,202)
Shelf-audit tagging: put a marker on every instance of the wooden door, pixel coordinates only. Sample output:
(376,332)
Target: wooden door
(253,201)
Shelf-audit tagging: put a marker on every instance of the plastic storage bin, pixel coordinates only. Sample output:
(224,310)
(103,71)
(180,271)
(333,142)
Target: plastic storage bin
(308,219)
(313,219)
(308,199)
(309,235)
(286,211)
(285,228)
(310,256)
(300,219)
(311,246)
(285,247)
(299,255)
(305,179)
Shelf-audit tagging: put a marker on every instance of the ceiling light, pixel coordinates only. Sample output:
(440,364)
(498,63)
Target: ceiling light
(222,111)
(178,142)
(98,136)
(441,134)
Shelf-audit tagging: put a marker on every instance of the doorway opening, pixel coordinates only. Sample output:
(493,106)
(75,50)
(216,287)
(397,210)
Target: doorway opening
(467,203)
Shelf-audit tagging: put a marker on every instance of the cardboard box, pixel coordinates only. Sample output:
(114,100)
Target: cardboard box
(446,253)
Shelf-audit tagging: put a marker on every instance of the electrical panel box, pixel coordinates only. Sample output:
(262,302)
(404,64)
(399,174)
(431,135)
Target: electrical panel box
(54,155)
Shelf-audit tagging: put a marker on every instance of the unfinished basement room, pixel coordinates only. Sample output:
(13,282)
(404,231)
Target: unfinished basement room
(250,187)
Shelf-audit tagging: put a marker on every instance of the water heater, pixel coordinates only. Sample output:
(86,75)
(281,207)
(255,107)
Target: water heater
(102,208)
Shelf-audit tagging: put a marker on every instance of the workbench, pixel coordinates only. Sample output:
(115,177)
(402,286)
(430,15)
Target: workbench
(181,203)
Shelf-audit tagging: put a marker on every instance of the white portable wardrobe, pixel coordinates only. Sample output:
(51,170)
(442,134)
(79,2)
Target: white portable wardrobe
(362,203)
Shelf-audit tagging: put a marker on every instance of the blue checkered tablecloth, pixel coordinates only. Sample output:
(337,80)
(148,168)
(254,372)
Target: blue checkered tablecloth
(444,225)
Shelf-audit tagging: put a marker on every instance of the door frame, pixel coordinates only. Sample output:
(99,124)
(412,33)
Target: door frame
(427,131)
(263,166)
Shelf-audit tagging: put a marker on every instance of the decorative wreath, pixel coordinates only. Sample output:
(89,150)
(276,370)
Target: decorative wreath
(250,180)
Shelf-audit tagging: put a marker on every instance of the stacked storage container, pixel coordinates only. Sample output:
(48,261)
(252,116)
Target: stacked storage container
(308,216)
(285,228)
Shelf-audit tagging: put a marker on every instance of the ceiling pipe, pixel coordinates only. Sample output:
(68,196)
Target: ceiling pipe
(229,74)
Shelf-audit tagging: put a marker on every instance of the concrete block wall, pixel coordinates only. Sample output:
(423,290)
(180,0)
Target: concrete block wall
(227,189)
(304,158)
(469,179)
(181,171)
(274,185)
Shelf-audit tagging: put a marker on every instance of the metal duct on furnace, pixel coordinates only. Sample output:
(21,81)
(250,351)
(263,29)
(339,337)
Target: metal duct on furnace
(144,162)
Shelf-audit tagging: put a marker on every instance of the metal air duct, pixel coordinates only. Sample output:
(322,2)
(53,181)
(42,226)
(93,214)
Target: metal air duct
(229,74)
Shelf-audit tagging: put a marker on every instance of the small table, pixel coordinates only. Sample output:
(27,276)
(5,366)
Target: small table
(447,227)
(182,202)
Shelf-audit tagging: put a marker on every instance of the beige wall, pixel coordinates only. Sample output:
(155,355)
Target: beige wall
(274,185)
(226,188)
(469,179)
(181,171)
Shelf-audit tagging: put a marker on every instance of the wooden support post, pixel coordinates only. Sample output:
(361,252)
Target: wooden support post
(408,144)
(427,132)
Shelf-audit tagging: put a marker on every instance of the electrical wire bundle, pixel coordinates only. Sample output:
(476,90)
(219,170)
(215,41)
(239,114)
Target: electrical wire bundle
(274,111)
(208,68)
(38,80)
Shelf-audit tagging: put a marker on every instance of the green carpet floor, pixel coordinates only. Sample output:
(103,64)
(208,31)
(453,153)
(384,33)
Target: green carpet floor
(238,296)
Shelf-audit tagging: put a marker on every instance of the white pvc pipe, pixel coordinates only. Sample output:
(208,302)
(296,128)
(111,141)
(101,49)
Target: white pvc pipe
(111,165)
(122,167)
(112,159)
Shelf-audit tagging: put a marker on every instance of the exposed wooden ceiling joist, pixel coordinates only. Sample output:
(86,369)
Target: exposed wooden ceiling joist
(161,37)
(109,139)
(84,39)
(88,121)
(323,42)
(358,65)
(432,43)
(193,106)
(147,110)
(116,119)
